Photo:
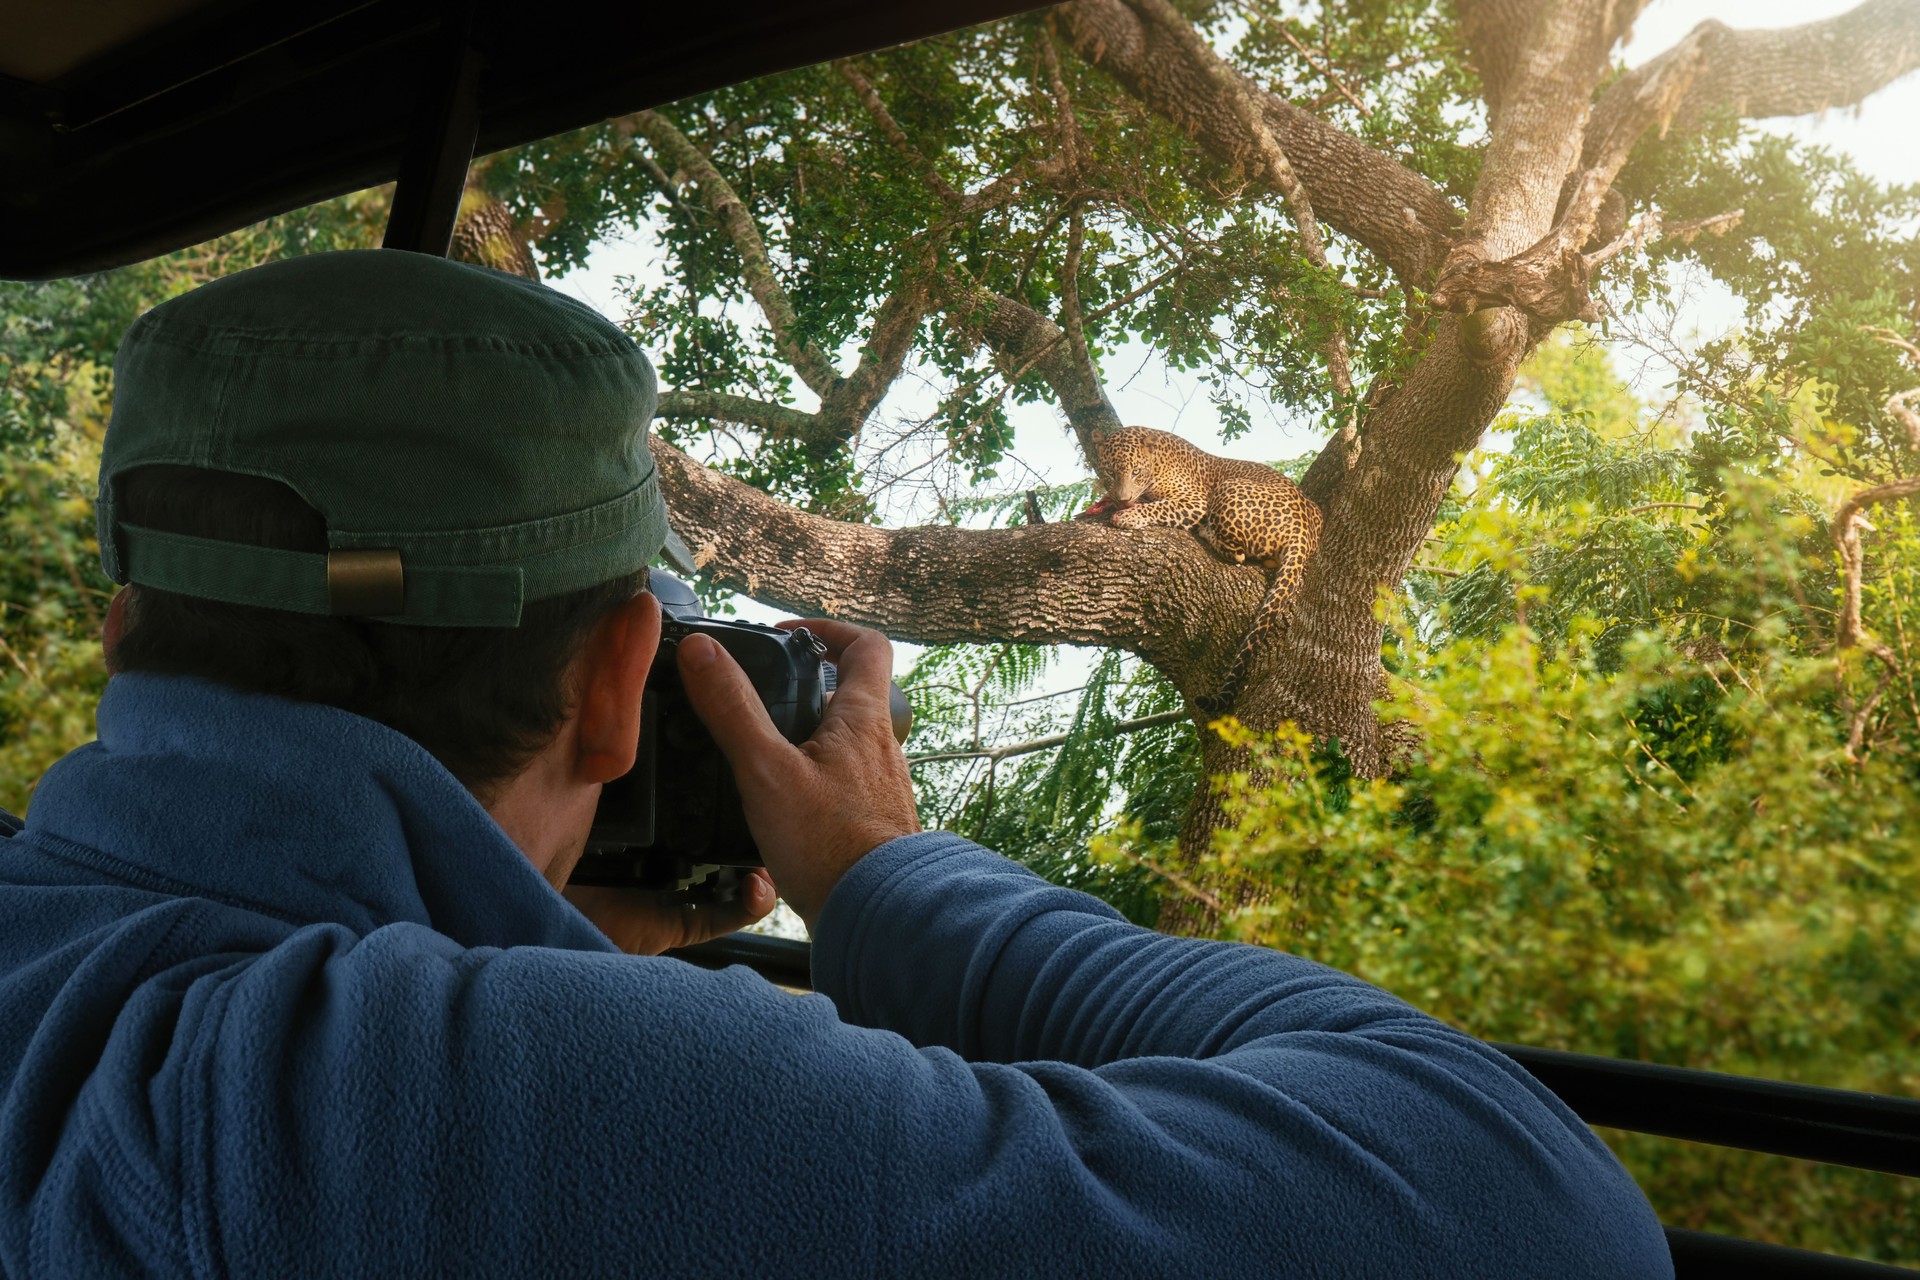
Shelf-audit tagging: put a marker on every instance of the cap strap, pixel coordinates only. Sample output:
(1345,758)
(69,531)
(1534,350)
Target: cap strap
(348,581)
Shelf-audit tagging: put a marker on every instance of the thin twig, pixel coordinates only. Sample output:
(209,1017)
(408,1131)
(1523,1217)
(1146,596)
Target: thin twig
(1332,78)
(997,754)
(1175,879)
(1650,226)
(877,108)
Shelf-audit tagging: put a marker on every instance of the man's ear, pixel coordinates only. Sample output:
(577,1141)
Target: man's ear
(114,627)
(613,677)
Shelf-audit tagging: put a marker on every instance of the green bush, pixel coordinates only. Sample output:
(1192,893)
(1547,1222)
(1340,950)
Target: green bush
(1541,872)
(52,599)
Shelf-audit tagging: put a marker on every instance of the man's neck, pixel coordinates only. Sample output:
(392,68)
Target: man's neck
(547,812)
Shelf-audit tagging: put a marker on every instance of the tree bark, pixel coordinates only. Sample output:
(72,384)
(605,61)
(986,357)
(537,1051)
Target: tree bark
(1061,583)
(1356,190)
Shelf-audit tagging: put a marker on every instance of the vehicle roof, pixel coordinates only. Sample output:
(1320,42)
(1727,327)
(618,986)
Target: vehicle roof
(130,128)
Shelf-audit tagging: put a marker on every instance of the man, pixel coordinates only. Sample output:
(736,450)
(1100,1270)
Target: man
(286,987)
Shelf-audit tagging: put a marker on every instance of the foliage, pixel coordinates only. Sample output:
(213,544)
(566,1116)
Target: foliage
(1179,254)
(1047,805)
(52,599)
(1633,827)
(1542,872)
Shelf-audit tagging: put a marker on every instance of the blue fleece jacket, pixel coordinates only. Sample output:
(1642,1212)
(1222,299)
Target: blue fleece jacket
(278,998)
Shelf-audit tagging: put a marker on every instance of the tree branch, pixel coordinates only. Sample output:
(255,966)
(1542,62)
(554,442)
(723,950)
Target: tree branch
(1754,73)
(1154,592)
(1026,340)
(895,135)
(1493,30)
(997,754)
(1849,633)
(1357,190)
(1496,32)
(1332,77)
(1521,252)
(1792,71)
(771,419)
(1535,139)
(1269,159)
(1071,321)
(847,403)
(808,360)
(1552,281)
(1899,405)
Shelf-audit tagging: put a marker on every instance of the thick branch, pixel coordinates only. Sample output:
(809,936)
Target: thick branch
(1497,31)
(1153,592)
(808,360)
(486,233)
(1493,30)
(773,420)
(1543,94)
(1792,71)
(1552,281)
(1535,139)
(1026,340)
(1755,73)
(1357,190)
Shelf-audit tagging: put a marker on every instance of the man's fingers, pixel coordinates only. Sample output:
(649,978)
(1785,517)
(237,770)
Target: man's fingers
(711,920)
(865,660)
(725,700)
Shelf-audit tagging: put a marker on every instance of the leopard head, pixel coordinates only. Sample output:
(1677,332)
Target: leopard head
(1125,466)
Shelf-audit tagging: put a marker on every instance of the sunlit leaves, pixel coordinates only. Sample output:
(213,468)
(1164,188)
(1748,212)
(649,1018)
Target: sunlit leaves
(1662,858)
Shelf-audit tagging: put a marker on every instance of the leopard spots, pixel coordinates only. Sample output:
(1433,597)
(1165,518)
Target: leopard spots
(1245,511)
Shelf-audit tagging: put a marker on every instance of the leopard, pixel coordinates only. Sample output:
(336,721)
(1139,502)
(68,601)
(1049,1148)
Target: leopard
(1242,511)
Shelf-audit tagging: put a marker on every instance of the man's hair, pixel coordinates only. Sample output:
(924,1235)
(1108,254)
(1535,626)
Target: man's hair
(483,700)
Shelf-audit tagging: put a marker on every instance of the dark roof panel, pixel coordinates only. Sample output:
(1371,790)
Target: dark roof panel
(238,111)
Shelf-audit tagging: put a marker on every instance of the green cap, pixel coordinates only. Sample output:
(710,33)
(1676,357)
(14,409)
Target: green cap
(475,440)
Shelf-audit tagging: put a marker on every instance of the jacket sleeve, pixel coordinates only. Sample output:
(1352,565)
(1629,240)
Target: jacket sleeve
(1014,1082)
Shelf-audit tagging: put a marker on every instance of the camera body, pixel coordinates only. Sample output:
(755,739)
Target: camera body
(674,822)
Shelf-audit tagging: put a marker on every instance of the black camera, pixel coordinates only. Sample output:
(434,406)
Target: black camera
(674,822)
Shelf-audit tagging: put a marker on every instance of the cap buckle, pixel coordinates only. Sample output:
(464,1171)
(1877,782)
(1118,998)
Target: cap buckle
(367,582)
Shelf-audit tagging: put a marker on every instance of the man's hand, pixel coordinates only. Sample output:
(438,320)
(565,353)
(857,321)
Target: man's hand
(818,808)
(646,924)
